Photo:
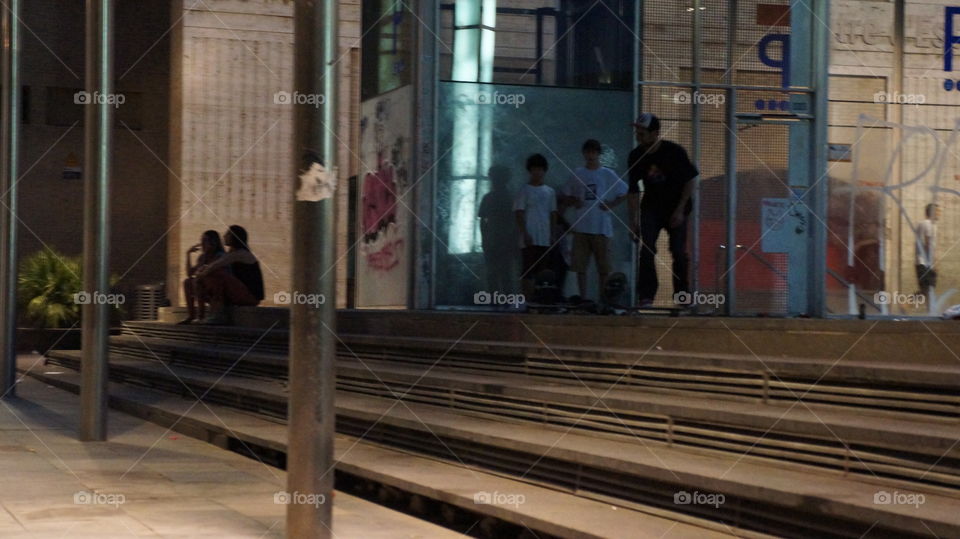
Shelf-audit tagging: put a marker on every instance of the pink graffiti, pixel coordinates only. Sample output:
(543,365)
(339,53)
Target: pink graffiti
(379,201)
(387,258)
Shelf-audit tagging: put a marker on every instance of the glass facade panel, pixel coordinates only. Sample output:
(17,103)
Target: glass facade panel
(893,140)
(733,83)
(486,132)
(542,42)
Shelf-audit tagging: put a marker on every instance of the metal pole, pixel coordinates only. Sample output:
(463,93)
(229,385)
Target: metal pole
(10,153)
(694,226)
(638,88)
(821,70)
(731,172)
(426,103)
(96,219)
(312,413)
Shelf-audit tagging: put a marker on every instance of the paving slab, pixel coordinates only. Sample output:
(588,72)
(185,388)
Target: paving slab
(146,481)
(557,512)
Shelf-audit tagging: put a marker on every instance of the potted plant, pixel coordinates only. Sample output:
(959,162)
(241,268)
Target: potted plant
(48,286)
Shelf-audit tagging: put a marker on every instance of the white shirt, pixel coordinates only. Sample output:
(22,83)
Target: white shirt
(926,236)
(537,203)
(592,187)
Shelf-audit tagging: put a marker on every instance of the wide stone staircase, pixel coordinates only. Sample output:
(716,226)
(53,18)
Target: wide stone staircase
(730,444)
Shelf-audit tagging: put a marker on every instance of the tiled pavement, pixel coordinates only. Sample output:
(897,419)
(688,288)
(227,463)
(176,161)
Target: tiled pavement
(146,482)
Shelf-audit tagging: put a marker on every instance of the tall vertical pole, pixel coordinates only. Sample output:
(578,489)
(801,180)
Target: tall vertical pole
(10,154)
(311,412)
(96,219)
(731,165)
(821,190)
(637,109)
(695,131)
(427,75)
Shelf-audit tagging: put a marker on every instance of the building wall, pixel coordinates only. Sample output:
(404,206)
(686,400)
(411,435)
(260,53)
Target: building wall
(231,137)
(904,137)
(51,208)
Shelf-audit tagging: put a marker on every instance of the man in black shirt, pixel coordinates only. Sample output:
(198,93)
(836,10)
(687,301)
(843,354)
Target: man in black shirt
(668,182)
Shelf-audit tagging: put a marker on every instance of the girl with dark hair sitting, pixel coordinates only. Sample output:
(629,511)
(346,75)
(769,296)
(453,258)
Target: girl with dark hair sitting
(211,248)
(233,279)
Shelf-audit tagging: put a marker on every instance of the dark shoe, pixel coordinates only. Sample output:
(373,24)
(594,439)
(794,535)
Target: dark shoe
(185,322)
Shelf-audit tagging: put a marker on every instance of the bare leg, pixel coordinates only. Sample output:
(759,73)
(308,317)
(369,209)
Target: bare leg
(582,283)
(189,289)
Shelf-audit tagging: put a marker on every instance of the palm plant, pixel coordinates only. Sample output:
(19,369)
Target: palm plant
(47,283)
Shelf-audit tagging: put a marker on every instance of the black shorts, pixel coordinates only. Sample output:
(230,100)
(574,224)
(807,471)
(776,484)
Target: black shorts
(926,276)
(534,259)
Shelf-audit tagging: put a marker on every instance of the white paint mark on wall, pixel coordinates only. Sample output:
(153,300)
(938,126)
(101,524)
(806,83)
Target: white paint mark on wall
(317,183)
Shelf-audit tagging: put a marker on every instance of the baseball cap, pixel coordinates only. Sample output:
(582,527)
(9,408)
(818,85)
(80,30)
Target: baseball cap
(648,120)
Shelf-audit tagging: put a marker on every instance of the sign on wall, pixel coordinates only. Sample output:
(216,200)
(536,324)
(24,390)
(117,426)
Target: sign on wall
(385,200)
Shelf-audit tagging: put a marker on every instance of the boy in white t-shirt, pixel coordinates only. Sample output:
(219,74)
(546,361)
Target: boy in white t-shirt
(593,190)
(536,211)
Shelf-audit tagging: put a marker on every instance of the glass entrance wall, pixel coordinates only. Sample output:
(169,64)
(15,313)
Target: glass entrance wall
(519,77)
(894,146)
(733,83)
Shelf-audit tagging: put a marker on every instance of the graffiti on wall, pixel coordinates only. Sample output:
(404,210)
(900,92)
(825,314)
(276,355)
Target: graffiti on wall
(875,185)
(385,200)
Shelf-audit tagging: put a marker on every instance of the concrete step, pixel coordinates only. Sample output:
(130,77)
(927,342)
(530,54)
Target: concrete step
(922,453)
(918,389)
(759,495)
(490,505)
(931,342)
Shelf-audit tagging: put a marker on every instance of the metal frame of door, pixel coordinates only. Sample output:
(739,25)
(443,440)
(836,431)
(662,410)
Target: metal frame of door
(817,36)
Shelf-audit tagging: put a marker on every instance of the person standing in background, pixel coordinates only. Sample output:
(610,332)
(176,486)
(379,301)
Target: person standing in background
(668,178)
(926,239)
(594,190)
(536,214)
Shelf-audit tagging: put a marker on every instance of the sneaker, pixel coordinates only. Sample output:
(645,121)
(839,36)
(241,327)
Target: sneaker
(185,322)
